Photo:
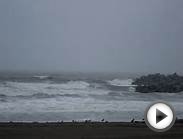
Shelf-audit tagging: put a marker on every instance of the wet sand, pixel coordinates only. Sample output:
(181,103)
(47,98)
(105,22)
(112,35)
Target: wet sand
(91,130)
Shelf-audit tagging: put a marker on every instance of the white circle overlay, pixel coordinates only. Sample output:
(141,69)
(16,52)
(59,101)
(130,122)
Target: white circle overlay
(151,116)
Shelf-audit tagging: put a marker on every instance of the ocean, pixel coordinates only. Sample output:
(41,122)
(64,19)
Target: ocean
(42,97)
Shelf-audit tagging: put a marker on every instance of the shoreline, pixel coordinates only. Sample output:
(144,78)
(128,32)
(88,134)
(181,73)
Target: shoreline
(85,130)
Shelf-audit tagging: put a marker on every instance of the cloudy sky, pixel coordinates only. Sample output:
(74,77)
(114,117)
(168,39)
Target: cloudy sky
(92,35)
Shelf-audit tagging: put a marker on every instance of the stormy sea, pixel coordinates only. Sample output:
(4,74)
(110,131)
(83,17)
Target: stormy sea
(41,97)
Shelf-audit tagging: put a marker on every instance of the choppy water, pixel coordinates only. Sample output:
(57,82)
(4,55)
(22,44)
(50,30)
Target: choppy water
(69,97)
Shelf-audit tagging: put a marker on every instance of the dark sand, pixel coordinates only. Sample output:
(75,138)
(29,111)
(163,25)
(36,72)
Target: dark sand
(85,131)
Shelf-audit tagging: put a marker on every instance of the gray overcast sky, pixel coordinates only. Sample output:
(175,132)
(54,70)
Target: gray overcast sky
(92,35)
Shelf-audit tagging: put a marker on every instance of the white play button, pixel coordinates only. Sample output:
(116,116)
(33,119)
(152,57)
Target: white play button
(160,116)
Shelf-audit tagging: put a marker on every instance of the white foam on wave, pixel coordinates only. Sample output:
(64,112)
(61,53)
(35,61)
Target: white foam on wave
(64,109)
(120,82)
(75,85)
(70,105)
(90,108)
(27,89)
(41,77)
(95,101)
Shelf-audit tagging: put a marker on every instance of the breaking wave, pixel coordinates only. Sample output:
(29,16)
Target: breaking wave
(38,96)
(119,82)
(45,98)
(41,77)
(75,85)
(70,88)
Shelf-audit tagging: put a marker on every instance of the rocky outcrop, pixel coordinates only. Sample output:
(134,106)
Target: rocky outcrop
(159,83)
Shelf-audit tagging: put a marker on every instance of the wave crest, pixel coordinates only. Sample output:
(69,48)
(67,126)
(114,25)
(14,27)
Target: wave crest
(119,82)
(75,85)
(41,77)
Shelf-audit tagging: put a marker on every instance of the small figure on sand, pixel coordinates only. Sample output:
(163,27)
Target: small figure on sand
(132,121)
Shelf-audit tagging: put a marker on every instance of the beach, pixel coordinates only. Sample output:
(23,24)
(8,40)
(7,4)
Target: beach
(91,130)
(78,107)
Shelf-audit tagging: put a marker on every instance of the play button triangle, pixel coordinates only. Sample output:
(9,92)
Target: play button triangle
(160,116)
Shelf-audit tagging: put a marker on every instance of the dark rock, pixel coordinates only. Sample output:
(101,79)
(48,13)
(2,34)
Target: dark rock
(159,83)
